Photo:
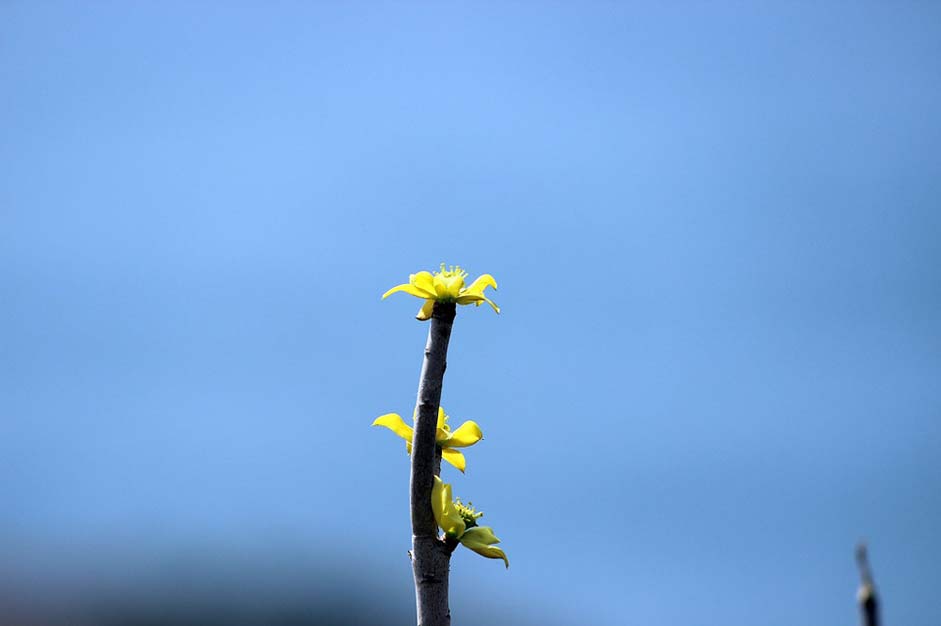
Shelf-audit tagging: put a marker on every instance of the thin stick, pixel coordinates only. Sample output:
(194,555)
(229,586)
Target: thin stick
(430,555)
(866,596)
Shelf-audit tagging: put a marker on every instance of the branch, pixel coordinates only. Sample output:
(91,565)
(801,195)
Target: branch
(866,596)
(430,555)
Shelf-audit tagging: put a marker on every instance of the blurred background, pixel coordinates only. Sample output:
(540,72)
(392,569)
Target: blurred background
(715,229)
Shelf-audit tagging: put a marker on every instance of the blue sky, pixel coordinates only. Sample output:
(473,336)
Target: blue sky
(715,230)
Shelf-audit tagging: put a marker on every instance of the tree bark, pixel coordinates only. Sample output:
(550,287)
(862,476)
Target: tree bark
(430,555)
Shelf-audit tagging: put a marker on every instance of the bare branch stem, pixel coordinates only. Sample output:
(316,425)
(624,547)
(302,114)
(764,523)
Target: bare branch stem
(866,596)
(430,555)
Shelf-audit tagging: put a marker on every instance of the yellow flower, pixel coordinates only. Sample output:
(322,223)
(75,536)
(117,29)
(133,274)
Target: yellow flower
(446,285)
(460,522)
(467,434)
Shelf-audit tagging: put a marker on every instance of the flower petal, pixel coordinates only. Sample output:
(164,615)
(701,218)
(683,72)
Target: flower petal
(445,512)
(455,458)
(476,298)
(480,534)
(424,281)
(441,287)
(482,282)
(491,552)
(407,288)
(395,423)
(443,429)
(490,302)
(454,285)
(467,434)
(442,418)
(469,298)
(438,500)
(480,540)
(424,313)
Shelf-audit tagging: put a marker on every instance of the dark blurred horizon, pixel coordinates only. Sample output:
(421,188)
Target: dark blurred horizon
(212,588)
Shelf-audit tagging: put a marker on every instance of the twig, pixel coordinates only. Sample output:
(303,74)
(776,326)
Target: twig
(866,596)
(430,555)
